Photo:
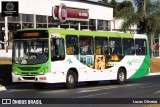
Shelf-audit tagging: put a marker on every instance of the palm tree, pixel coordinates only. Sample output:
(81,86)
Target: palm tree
(146,16)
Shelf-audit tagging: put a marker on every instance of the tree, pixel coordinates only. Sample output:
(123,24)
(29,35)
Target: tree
(121,10)
(146,16)
(105,1)
(115,8)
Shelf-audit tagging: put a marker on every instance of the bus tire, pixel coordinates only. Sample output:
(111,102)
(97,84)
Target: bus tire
(39,85)
(71,79)
(121,76)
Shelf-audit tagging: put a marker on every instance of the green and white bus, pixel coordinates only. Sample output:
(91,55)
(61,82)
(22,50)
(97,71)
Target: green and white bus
(50,55)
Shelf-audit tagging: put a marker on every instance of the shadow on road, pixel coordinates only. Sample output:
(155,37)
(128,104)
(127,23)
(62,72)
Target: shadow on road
(5,74)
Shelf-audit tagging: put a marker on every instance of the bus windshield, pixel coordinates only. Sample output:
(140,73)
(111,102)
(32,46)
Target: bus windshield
(30,51)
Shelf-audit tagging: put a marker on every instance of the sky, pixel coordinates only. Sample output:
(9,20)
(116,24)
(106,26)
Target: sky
(109,0)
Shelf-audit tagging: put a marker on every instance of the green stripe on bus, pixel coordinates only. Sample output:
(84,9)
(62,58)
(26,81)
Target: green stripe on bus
(143,70)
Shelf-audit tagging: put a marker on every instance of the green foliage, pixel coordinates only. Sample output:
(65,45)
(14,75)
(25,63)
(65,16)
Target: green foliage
(121,10)
(146,16)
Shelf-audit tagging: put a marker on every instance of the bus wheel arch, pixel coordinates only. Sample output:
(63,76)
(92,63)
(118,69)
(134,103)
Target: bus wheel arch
(71,78)
(121,75)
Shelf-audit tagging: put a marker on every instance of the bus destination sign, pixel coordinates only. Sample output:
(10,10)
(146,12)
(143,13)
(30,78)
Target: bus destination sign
(31,34)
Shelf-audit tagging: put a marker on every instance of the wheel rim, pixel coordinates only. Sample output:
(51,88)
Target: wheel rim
(71,79)
(121,76)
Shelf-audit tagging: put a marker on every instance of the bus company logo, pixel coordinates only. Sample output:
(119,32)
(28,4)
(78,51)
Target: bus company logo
(134,61)
(62,12)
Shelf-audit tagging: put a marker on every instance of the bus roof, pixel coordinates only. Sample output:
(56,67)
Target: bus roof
(86,32)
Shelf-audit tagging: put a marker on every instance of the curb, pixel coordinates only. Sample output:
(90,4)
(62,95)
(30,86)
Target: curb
(2,88)
(152,74)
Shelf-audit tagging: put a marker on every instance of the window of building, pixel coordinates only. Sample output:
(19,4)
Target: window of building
(84,25)
(128,46)
(101,46)
(14,19)
(86,45)
(72,44)
(28,18)
(92,24)
(73,25)
(103,25)
(140,46)
(52,22)
(65,25)
(41,21)
(115,46)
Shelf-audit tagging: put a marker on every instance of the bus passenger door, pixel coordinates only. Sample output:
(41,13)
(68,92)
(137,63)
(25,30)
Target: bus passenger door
(57,49)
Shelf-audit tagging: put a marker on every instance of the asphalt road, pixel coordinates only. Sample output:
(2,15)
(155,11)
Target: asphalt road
(146,87)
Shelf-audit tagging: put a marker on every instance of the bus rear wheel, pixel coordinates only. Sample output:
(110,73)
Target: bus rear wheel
(71,79)
(121,76)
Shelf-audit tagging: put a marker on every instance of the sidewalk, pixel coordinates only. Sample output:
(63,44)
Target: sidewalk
(5,60)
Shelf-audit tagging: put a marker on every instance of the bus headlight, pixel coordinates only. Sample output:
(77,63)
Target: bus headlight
(15,72)
(43,71)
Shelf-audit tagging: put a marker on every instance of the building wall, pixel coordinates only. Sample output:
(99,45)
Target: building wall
(44,7)
(95,11)
(116,25)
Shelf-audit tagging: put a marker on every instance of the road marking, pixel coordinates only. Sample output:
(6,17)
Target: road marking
(150,86)
(157,92)
(84,91)
(103,88)
(93,95)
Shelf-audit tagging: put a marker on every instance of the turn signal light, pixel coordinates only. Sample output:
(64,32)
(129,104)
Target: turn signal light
(42,78)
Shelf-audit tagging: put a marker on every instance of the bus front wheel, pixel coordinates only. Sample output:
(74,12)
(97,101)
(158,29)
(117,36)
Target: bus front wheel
(71,79)
(121,76)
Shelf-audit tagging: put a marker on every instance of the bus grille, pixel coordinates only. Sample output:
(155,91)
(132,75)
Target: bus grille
(29,78)
(29,68)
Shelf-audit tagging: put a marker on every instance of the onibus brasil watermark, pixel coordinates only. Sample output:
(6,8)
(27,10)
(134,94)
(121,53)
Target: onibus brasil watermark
(21,101)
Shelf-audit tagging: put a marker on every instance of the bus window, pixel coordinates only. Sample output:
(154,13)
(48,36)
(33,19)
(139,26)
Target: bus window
(115,46)
(72,45)
(140,46)
(57,49)
(86,45)
(101,45)
(128,46)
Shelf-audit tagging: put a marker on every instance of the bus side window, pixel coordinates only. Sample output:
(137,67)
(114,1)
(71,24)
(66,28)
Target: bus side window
(140,45)
(86,45)
(57,49)
(72,44)
(115,46)
(128,46)
(101,45)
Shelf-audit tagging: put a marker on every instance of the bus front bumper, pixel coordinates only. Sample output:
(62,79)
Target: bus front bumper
(46,78)
(40,78)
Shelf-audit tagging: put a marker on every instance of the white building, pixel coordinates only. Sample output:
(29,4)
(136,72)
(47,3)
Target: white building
(117,23)
(38,13)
